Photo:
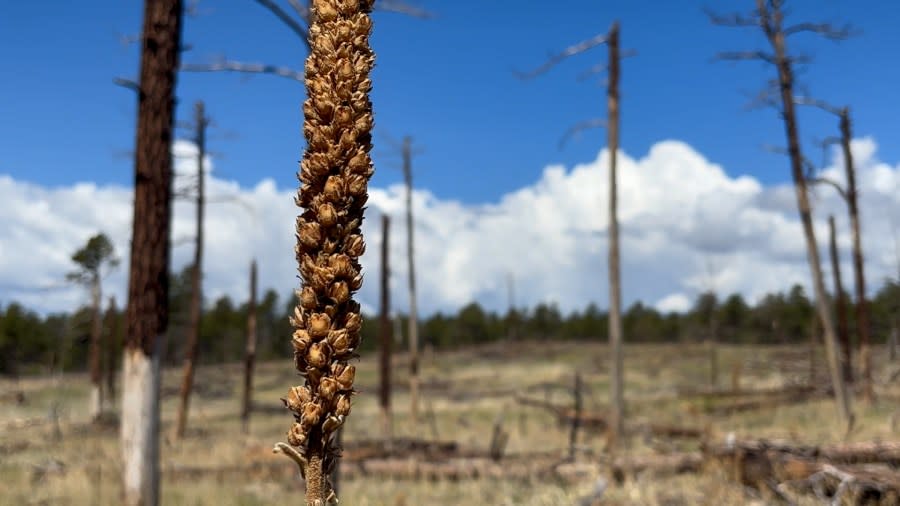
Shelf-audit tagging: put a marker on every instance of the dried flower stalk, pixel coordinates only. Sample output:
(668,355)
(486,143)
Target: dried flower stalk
(334,176)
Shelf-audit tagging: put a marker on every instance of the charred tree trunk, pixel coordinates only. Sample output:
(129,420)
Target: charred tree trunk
(413,323)
(384,329)
(96,396)
(840,302)
(862,310)
(249,353)
(148,284)
(193,338)
(773,28)
(617,404)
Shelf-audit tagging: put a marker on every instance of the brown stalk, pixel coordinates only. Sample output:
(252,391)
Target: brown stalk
(334,175)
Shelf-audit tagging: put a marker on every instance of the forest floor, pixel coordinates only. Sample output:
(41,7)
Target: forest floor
(73,462)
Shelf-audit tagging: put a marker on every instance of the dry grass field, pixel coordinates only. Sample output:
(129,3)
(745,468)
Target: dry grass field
(72,462)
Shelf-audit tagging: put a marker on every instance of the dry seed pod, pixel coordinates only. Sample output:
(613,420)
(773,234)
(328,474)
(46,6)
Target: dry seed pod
(318,325)
(312,413)
(342,405)
(296,435)
(345,377)
(339,292)
(308,298)
(318,355)
(327,388)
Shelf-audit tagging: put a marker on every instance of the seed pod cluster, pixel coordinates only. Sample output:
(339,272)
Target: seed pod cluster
(334,175)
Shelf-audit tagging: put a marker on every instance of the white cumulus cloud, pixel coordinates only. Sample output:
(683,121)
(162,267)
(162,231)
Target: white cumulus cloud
(686,225)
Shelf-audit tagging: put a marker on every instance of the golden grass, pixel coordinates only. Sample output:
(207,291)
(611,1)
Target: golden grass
(654,374)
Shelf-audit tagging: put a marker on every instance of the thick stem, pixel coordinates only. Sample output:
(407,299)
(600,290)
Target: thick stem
(413,323)
(840,304)
(250,352)
(862,310)
(772,25)
(315,474)
(617,412)
(193,338)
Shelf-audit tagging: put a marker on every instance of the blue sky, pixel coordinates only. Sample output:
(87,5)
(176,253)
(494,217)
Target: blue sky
(445,81)
(701,202)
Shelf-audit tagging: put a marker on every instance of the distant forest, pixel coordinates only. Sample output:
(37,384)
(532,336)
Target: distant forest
(30,344)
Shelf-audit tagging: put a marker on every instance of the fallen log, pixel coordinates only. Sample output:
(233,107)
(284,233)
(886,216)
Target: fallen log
(657,465)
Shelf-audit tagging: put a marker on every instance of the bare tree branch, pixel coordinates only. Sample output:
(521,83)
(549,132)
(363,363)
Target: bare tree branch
(603,67)
(127,83)
(834,184)
(301,10)
(287,19)
(824,29)
(580,127)
(733,19)
(569,51)
(251,68)
(403,8)
(821,104)
(745,55)
(767,97)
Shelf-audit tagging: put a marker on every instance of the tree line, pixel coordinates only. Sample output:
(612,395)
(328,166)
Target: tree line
(31,343)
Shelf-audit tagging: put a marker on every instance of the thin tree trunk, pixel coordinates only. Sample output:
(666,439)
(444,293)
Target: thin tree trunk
(112,344)
(713,352)
(840,301)
(862,310)
(813,340)
(148,284)
(617,411)
(250,352)
(786,83)
(193,337)
(413,323)
(96,396)
(384,329)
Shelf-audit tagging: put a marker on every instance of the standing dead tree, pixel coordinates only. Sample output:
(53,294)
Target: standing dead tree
(384,330)
(850,195)
(611,39)
(147,315)
(249,352)
(92,258)
(413,320)
(769,17)
(201,121)
(840,302)
(298,20)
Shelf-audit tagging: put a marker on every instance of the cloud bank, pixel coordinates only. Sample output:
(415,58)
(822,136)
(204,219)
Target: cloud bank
(686,227)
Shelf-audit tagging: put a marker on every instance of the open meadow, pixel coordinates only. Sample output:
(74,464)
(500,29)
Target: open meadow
(50,453)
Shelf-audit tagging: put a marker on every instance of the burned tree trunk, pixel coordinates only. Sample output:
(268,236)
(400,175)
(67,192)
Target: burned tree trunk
(193,338)
(862,310)
(384,330)
(148,285)
(413,323)
(249,353)
(840,302)
(773,29)
(617,404)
